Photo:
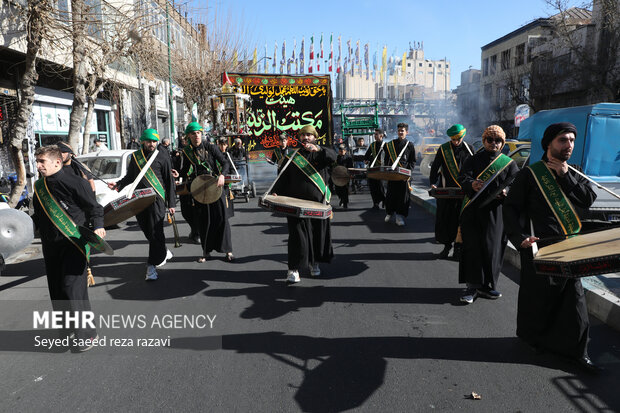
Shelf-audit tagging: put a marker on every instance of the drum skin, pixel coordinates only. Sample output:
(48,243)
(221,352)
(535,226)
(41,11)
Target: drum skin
(204,189)
(340,176)
(386,173)
(16,231)
(299,208)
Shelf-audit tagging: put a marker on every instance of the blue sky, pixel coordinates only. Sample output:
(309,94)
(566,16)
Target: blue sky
(452,28)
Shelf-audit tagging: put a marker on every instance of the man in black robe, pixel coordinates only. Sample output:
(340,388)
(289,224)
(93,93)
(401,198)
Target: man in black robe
(151,220)
(309,239)
(343,159)
(201,158)
(552,312)
(377,191)
(398,196)
(444,174)
(227,196)
(73,165)
(482,227)
(65,263)
(282,151)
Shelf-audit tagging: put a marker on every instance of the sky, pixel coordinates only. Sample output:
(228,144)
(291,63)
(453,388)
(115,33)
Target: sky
(455,29)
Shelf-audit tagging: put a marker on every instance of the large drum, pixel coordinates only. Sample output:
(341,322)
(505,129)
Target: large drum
(231,179)
(204,189)
(299,208)
(447,193)
(125,207)
(386,173)
(340,176)
(581,255)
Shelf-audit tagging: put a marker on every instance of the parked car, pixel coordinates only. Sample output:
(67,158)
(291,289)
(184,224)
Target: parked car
(428,145)
(109,166)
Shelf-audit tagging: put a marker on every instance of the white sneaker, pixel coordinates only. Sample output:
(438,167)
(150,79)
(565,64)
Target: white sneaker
(387,218)
(399,220)
(315,271)
(151,273)
(168,256)
(292,277)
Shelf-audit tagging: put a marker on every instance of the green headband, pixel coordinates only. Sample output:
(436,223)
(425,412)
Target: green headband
(456,131)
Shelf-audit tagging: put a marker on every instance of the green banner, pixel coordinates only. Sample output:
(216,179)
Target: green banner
(309,170)
(450,161)
(556,198)
(501,162)
(150,176)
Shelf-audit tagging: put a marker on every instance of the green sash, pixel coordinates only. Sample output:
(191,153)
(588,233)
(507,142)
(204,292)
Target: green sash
(392,152)
(450,161)
(61,220)
(309,170)
(150,176)
(373,148)
(189,153)
(498,165)
(278,153)
(556,198)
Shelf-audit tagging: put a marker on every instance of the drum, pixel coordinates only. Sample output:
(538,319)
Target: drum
(581,256)
(204,189)
(231,179)
(295,207)
(124,207)
(447,193)
(181,189)
(340,176)
(386,173)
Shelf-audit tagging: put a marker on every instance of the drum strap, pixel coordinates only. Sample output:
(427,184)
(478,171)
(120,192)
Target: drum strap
(150,176)
(61,220)
(556,198)
(450,161)
(376,152)
(312,174)
(191,156)
(490,173)
(392,151)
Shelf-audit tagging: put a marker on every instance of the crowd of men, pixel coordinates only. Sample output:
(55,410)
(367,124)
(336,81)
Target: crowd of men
(552,315)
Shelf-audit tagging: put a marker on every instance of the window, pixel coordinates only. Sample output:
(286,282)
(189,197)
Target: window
(520,54)
(485,67)
(439,65)
(408,64)
(420,64)
(493,65)
(447,66)
(420,72)
(430,65)
(506,59)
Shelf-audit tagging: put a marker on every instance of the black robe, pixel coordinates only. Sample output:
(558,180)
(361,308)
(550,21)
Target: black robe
(482,229)
(211,219)
(309,239)
(64,262)
(552,311)
(448,210)
(343,191)
(397,197)
(151,220)
(377,191)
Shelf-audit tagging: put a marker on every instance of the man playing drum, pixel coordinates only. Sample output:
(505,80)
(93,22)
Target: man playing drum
(482,227)
(552,312)
(377,191)
(397,196)
(444,173)
(346,161)
(309,240)
(158,177)
(201,158)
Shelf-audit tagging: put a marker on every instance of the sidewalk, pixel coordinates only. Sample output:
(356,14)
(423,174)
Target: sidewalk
(602,291)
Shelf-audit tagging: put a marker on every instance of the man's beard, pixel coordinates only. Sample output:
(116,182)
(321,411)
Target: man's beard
(561,155)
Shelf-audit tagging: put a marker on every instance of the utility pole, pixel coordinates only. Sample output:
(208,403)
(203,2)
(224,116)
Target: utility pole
(173,138)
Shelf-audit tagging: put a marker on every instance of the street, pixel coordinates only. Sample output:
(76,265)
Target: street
(381,329)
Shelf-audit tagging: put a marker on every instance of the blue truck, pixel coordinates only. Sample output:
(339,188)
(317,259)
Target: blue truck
(597,150)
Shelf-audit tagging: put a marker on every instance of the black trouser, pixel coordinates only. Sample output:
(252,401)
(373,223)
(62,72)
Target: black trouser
(343,193)
(65,266)
(151,222)
(377,192)
(213,226)
(187,211)
(309,242)
(397,198)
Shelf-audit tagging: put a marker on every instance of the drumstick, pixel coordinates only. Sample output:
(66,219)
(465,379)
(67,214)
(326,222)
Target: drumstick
(142,173)
(280,174)
(400,155)
(594,182)
(232,163)
(378,153)
(84,169)
(562,237)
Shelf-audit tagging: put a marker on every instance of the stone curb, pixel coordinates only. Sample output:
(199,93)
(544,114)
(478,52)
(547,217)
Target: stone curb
(602,303)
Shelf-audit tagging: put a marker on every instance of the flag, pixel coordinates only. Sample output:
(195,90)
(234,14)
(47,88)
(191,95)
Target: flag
(265,64)
(311,60)
(301,57)
(349,52)
(283,60)
(331,53)
(357,59)
(366,61)
(346,61)
(293,59)
(275,57)
(320,55)
(374,66)
(254,61)
(339,65)
(235,60)
(404,63)
(226,79)
(383,63)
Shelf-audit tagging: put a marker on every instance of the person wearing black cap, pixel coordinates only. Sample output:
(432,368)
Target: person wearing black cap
(282,151)
(345,160)
(377,191)
(74,167)
(552,313)
(159,177)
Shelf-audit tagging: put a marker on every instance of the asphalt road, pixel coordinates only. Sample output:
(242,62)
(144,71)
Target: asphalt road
(382,329)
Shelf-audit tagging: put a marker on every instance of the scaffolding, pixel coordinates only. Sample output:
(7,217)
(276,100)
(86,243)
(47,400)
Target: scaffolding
(359,125)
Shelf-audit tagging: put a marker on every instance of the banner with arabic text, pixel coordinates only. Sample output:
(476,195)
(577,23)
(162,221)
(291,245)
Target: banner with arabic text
(284,104)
